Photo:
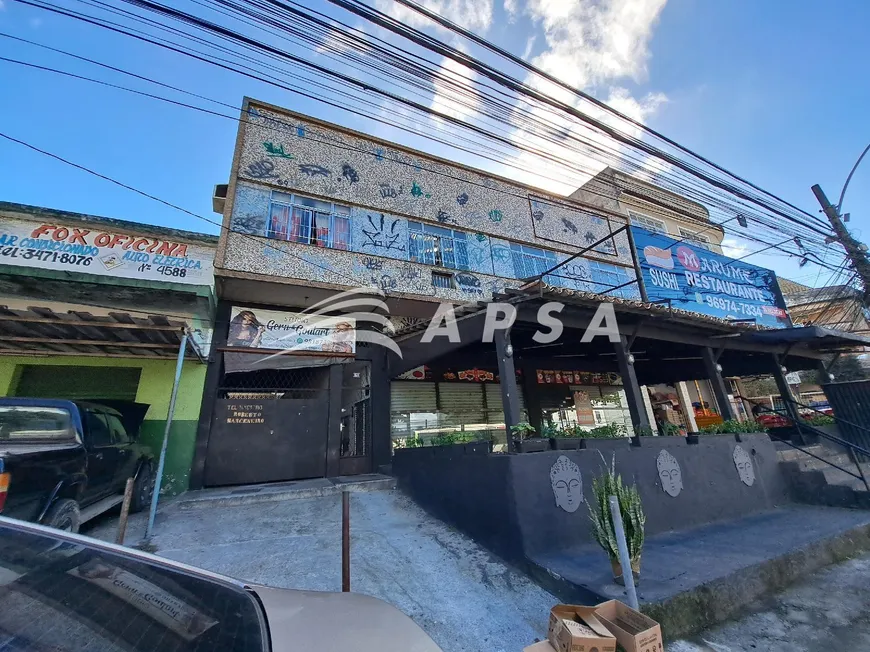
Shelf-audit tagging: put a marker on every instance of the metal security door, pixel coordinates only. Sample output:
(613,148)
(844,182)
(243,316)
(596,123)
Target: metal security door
(269,440)
(356,419)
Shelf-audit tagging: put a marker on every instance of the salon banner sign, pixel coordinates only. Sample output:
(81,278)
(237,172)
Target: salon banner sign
(83,248)
(695,279)
(291,331)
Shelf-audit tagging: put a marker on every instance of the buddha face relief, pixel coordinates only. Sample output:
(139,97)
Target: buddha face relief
(743,462)
(670,474)
(567,484)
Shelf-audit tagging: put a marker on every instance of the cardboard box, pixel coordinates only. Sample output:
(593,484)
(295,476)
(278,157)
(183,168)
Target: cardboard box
(634,631)
(541,646)
(578,629)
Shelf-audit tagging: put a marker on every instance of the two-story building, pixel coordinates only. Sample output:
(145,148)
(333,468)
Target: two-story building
(298,385)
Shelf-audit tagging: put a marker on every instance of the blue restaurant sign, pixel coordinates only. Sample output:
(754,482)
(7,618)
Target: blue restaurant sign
(695,279)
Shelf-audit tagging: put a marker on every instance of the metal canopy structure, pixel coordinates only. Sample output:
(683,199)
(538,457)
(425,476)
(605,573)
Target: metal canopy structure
(667,343)
(41,331)
(818,338)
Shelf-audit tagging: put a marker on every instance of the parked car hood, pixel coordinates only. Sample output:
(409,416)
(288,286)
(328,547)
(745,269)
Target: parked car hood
(323,622)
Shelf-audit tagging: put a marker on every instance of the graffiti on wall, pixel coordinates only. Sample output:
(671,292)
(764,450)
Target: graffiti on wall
(362,172)
(382,233)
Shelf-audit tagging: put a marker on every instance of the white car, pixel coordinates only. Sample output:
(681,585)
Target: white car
(66,592)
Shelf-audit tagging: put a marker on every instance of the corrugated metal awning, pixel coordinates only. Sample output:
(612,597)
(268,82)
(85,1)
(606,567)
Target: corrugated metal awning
(41,331)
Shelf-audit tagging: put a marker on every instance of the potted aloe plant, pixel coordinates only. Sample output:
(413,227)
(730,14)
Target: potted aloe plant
(526,439)
(608,484)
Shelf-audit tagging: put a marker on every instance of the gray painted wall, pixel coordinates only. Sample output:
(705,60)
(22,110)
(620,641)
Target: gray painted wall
(513,494)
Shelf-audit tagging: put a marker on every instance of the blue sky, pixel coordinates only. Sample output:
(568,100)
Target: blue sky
(775,91)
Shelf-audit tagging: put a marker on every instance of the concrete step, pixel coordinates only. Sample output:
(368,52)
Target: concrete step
(808,463)
(838,477)
(280,491)
(794,455)
(92,511)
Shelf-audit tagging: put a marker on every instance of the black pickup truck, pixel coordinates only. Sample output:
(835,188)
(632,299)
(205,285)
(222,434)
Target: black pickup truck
(62,462)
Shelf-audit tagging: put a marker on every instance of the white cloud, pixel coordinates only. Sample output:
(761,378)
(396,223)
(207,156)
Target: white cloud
(592,45)
(529,45)
(475,15)
(511,9)
(621,100)
(595,41)
(734,248)
(455,100)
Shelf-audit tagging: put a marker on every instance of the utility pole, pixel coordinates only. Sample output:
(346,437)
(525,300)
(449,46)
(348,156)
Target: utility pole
(856,251)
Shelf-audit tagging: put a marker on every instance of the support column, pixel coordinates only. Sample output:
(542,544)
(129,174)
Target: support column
(382,445)
(647,403)
(213,375)
(633,396)
(531,394)
(747,405)
(333,421)
(784,390)
(720,390)
(686,403)
(510,398)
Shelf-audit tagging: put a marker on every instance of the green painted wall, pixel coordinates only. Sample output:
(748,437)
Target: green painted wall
(155,388)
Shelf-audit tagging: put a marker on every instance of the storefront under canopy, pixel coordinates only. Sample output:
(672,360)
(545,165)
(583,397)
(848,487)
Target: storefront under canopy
(658,345)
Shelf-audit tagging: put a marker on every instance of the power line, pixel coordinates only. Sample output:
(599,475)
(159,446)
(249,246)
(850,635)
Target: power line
(589,98)
(169,204)
(713,222)
(215,113)
(224,33)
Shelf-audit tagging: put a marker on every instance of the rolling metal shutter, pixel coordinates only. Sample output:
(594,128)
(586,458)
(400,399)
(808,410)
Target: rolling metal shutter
(412,396)
(412,407)
(461,403)
(494,406)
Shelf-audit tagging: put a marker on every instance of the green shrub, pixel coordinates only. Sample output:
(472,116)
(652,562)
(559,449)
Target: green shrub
(732,426)
(413,442)
(609,483)
(450,438)
(523,430)
(609,431)
(819,420)
(572,431)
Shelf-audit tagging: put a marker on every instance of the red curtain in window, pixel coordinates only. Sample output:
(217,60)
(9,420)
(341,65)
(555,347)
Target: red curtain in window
(341,233)
(278,222)
(297,230)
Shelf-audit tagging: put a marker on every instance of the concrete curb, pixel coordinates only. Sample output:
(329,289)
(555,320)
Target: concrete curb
(725,598)
(271,496)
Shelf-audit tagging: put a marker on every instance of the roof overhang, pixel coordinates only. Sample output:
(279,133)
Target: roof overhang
(666,342)
(43,332)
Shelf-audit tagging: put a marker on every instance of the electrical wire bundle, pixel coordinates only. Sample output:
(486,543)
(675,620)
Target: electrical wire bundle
(410,80)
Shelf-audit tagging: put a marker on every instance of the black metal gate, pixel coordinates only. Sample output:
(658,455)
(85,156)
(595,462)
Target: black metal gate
(356,419)
(851,404)
(269,426)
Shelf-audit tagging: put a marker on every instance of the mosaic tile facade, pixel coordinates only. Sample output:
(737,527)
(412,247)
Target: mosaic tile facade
(384,188)
(305,262)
